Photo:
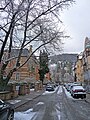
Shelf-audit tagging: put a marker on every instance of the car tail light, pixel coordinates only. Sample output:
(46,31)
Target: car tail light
(79,91)
(75,91)
(84,90)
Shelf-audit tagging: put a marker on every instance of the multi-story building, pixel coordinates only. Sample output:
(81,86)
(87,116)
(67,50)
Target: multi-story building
(82,67)
(79,69)
(29,71)
(86,63)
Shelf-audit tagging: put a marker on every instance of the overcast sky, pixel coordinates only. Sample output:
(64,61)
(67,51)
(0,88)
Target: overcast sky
(77,24)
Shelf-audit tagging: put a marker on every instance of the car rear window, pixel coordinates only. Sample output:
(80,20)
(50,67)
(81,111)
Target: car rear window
(78,87)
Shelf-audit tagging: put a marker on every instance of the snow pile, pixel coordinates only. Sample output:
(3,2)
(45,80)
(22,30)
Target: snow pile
(60,90)
(27,115)
(14,101)
(68,93)
(58,111)
(32,89)
(40,103)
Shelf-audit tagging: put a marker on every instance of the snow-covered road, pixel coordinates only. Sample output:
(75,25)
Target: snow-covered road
(31,114)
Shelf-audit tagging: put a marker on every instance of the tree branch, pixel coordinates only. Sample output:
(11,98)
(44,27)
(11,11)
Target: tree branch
(35,51)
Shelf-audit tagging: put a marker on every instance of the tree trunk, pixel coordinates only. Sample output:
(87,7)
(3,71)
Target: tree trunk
(4,81)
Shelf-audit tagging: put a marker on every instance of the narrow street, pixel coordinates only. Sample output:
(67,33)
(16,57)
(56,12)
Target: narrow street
(57,105)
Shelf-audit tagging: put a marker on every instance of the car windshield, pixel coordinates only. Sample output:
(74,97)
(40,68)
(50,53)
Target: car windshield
(78,87)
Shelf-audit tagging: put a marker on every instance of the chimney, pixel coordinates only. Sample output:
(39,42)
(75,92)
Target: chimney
(30,49)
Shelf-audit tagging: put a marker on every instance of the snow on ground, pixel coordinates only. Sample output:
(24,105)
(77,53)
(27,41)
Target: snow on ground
(58,111)
(27,115)
(68,93)
(60,90)
(32,89)
(40,103)
(14,101)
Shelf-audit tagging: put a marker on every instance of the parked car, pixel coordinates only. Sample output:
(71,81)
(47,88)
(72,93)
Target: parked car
(78,92)
(6,111)
(71,86)
(49,88)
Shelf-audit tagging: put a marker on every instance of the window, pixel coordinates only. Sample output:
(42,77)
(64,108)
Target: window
(87,53)
(17,76)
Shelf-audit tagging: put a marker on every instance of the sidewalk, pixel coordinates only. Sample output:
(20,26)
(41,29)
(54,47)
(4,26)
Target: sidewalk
(20,100)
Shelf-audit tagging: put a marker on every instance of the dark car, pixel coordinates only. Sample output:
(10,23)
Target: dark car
(49,88)
(6,111)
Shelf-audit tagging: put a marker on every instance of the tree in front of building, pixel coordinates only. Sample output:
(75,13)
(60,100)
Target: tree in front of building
(28,22)
(43,59)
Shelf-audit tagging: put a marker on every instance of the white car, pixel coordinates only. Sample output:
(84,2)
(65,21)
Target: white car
(78,92)
(71,86)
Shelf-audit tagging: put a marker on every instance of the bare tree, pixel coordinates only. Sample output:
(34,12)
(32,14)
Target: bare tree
(29,22)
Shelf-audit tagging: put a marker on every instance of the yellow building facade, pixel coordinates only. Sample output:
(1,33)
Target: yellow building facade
(79,69)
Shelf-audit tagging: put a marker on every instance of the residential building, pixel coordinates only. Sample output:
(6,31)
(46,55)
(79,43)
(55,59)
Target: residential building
(86,63)
(79,69)
(29,71)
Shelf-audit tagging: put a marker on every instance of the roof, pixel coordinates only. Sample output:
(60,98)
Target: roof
(25,53)
(15,52)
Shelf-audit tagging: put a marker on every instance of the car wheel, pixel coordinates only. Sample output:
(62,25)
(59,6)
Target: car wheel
(11,116)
